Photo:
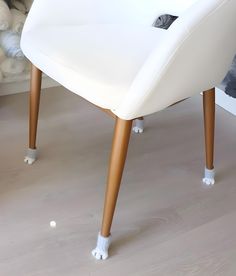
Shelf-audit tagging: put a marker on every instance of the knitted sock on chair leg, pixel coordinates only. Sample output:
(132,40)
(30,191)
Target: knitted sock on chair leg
(209,178)
(101,251)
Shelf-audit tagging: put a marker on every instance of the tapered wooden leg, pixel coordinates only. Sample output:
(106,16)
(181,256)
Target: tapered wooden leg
(209,124)
(34,99)
(117,162)
(35,89)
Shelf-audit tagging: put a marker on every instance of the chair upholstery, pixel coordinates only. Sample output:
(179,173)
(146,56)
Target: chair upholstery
(109,53)
(98,62)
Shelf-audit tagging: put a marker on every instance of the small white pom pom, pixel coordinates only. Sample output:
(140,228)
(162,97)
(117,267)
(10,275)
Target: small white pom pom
(53,224)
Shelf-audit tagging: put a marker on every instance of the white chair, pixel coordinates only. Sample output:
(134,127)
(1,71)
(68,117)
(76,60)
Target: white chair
(107,52)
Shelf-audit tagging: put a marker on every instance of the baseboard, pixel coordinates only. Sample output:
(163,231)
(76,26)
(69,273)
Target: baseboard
(225,101)
(23,86)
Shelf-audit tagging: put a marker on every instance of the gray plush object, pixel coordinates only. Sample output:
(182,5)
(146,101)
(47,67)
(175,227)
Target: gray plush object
(230,80)
(11,67)
(20,6)
(18,20)
(164,21)
(10,43)
(8,2)
(5,16)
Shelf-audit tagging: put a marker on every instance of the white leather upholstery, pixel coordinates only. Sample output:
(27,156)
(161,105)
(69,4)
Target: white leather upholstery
(98,62)
(108,52)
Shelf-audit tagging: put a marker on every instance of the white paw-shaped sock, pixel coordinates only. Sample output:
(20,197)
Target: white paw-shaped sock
(101,251)
(139,126)
(31,156)
(209,178)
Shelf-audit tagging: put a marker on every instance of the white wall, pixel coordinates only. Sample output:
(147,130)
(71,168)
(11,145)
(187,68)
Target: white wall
(23,86)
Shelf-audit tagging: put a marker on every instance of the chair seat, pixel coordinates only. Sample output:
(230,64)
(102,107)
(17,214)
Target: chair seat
(97,62)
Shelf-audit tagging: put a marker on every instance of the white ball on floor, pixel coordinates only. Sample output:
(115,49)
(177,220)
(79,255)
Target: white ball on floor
(53,224)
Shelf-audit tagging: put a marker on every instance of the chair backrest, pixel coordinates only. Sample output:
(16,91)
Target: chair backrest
(195,56)
(62,12)
(143,12)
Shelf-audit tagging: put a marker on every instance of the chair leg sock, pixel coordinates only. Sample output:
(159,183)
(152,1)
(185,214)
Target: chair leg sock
(139,126)
(101,251)
(209,178)
(31,156)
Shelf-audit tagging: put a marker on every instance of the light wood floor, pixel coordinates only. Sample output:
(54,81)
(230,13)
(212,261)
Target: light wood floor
(167,223)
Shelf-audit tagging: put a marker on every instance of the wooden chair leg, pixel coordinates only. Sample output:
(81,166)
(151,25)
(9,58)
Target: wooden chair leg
(209,125)
(34,100)
(117,162)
